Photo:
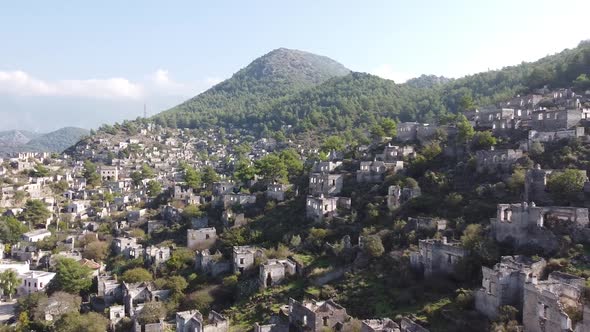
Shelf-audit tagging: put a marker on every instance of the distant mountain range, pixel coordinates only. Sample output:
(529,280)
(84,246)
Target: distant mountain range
(55,141)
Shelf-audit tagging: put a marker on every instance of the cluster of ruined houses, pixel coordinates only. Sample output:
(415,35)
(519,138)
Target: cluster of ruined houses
(327,178)
(545,304)
(554,304)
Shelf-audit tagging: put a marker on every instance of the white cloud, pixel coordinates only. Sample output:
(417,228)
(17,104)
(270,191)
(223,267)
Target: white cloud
(388,72)
(162,81)
(159,83)
(21,83)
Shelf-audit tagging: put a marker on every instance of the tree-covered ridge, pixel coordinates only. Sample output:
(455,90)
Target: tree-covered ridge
(281,89)
(558,70)
(355,101)
(58,140)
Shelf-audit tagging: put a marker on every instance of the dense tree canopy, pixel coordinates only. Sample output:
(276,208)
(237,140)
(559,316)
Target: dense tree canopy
(71,276)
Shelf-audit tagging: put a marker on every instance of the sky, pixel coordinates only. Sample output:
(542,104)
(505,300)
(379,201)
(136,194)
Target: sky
(70,63)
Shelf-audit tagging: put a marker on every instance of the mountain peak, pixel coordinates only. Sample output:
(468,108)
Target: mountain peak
(276,74)
(297,66)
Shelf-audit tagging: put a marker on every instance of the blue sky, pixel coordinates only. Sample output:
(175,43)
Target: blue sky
(68,63)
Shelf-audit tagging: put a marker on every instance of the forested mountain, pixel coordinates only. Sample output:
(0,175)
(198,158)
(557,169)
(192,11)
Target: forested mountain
(310,92)
(56,141)
(270,77)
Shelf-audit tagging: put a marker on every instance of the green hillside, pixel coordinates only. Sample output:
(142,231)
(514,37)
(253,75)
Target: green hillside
(314,93)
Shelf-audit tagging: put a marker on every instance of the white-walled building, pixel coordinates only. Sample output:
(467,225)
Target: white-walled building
(36,235)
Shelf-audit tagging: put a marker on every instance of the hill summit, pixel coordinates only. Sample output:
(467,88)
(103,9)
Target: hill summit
(292,67)
(273,75)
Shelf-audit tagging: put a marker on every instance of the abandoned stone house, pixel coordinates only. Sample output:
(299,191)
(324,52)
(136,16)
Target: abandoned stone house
(393,153)
(199,239)
(379,325)
(276,323)
(397,195)
(232,219)
(108,173)
(274,271)
(135,295)
(496,160)
(555,119)
(211,264)
(547,304)
(427,223)
(109,291)
(504,283)
(525,224)
(374,171)
(230,200)
(318,208)
(244,257)
(325,184)
(326,166)
(222,188)
(525,102)
(170,213)
(139,326)
(315,316)
(154,255)
(128,247)
(277,191)
(497,119)
(186,195)
(193,321)
(116,314)
(554,135)
(535,185)
(414,131)
(437,257)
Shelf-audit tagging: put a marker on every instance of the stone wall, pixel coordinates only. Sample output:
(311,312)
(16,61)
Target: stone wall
(545,303)
(199,239)
(437,257)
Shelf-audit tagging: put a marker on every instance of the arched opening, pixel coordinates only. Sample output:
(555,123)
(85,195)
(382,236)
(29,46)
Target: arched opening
(268,280)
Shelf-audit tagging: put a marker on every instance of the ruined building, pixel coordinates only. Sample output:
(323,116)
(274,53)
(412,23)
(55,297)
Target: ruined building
(374,171)
(548,304)
(193,321)
(397,195)
(493,161)
(315,316)
(325,184)
(200,239)
(211,264)
(379,325)
(530,225)
(393,153)
(437,256)
(504,284)
(277,191)
(244,257)
(319,208)
(274,271)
